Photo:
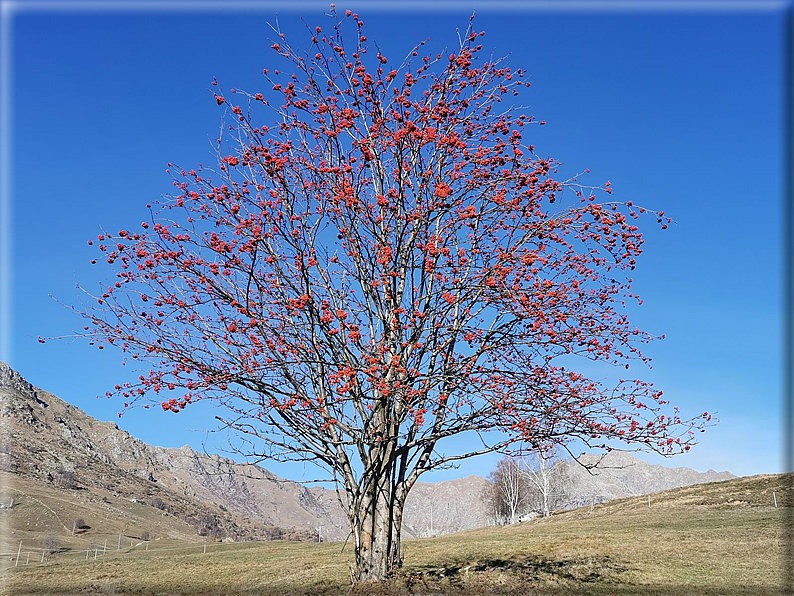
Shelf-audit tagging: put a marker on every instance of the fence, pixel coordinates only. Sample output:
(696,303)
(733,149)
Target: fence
(26,555)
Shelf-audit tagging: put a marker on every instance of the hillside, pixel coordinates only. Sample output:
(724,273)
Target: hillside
(712,539)
(32,509)
(62,447)
(617,474)
(58,445)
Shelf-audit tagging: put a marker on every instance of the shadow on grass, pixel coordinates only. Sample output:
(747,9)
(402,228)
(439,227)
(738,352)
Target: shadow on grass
(533,567)
(542,576)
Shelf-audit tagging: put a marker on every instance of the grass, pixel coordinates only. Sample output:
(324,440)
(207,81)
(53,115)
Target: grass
(714,539)
(41,508)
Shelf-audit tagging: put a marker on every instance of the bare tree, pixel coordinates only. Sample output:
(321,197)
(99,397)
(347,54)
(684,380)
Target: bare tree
(490,497)
(545,479)
(510,490)
(51,544)
(78,524)
(66,478)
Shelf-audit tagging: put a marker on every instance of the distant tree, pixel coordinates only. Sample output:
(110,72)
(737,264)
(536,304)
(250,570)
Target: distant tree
(382,264)
(208,525)
(158,503)
(273,532)
(510,491)
(493,503)
(546,482)
(78,524)
(51,544)
(145,535)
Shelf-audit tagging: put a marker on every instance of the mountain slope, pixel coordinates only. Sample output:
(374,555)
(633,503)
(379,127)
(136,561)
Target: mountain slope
(59,444)
(617,474)
(52,442)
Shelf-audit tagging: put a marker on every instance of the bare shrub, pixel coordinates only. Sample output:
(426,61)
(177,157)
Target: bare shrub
(79,524)
(51,544)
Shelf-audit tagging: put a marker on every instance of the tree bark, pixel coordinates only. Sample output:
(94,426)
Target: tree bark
(395,552)
(376,521)
(377,534)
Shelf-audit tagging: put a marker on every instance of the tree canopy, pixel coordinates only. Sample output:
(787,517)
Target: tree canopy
(380,260)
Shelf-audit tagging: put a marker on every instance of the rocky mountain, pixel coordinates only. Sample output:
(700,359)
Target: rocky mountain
(617,474)
(58,444)
(432,509)
(55,443)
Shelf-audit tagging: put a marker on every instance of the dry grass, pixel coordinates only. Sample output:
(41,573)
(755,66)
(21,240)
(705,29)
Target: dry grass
(722,538)
(41,508)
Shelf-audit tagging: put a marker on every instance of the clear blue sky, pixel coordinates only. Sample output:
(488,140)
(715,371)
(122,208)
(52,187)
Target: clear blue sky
(680,110)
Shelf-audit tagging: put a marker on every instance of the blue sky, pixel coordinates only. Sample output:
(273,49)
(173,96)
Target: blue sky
(680,110)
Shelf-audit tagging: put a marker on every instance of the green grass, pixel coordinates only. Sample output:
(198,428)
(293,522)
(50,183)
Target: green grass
(715,539)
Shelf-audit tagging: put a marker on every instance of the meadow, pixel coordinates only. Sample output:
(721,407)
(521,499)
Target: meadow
(722,538)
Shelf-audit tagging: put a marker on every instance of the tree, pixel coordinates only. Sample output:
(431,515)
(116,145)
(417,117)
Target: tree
(509,493)
(78,524)
(545,479)
(381,264)
(66,478)
(51,544)
(491,497)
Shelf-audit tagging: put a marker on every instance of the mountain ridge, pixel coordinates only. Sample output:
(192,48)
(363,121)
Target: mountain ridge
(58,440)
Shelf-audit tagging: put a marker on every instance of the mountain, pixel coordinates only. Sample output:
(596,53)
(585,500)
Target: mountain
(617,474)
(432,509)
(57,445)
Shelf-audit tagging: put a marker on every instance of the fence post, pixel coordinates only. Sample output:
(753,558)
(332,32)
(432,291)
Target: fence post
(96,551)
(105,548)
(205,549)
(28,560)
(18,551)
(42,555)
(774,498)
(649,501)
(147,545)
(119,548)
(86,554)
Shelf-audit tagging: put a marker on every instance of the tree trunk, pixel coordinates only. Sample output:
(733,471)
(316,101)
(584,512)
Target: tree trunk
(395,551)
(376,525)
(546,489)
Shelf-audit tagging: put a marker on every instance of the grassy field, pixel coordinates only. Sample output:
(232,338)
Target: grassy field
(713,539)
(40,509)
